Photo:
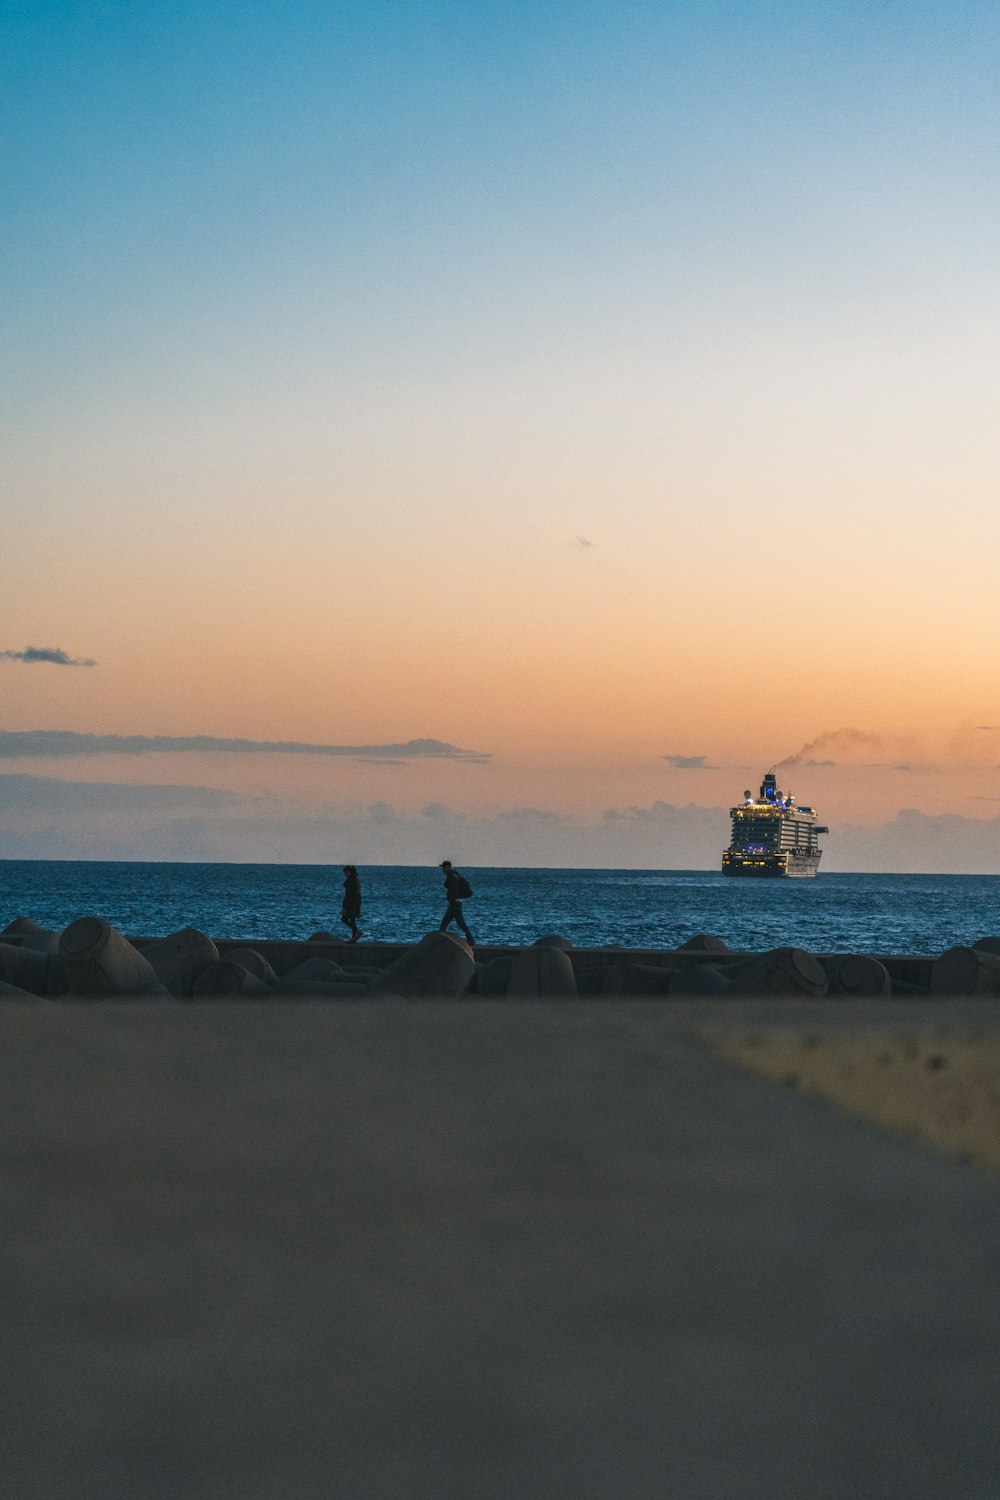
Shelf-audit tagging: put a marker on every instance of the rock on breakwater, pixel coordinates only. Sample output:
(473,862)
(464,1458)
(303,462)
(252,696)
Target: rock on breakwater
(91,959)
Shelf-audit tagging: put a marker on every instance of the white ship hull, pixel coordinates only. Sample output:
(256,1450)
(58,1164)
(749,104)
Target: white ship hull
(803,866)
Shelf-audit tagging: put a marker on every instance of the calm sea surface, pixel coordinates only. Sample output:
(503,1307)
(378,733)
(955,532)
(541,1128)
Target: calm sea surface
(627,908)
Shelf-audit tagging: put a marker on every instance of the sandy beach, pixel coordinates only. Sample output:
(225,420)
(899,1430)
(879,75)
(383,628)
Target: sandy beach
(938,1084)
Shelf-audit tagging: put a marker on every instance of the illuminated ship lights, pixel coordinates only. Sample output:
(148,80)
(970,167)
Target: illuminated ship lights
(772,836)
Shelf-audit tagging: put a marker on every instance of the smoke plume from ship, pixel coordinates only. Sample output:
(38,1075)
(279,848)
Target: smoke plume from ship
(840,740)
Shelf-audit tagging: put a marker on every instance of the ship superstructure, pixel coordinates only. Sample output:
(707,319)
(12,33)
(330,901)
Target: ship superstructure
(772,836)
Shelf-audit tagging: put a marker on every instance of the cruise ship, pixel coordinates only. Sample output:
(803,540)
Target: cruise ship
(772,836)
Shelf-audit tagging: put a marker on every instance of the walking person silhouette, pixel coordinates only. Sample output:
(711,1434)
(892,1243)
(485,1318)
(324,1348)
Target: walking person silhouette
(350,911)
(456,890)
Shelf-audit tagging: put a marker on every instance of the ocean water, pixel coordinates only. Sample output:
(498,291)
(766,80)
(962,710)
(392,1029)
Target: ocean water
(593,908)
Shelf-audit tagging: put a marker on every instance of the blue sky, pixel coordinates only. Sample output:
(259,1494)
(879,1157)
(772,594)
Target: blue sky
(403,190)
(323,317)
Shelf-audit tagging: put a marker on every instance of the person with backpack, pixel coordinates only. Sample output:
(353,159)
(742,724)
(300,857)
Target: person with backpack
(456,889)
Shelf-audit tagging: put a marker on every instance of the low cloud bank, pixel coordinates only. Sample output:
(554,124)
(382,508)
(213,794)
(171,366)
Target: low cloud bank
(45,817)
(51,818)
(53,654)
(920,844)
(26,800)
(64,743)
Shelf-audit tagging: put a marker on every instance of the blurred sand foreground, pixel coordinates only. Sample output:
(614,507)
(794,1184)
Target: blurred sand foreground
(938,1084)
(475,1251)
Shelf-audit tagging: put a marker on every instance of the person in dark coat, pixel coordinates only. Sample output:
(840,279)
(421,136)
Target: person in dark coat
(350,911)
(454,885)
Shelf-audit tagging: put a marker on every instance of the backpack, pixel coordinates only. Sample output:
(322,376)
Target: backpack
(463,890)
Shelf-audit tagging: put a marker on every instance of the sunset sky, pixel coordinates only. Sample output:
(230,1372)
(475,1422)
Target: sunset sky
(537,419)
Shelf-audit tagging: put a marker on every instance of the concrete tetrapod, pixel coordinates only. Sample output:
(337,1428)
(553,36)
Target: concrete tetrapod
(542,974)
(553,940)
(40,942)
(315,970)
(782,971)
(493,977)
(858,974)
(227,980)
(703,942)
(589,975)
(438,968)
(966,971)
(635,982)
(13,992)
(24,933)
(320,978)
(180,957)
(153,992)
(26,969)
(20,927)
(699,980)
(255,963)
(100,962)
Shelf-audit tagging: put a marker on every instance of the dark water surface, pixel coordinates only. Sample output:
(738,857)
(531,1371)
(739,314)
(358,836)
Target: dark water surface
(628,908)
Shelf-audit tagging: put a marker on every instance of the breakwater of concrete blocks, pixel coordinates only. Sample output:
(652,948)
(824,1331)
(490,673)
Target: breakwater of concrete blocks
(91,960)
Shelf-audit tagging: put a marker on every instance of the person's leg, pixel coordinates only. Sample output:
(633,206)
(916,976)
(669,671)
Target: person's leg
(448,917)
(460,919)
